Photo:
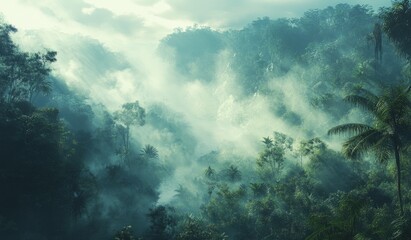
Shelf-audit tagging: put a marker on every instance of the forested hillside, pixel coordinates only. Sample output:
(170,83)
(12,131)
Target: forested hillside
(288,129)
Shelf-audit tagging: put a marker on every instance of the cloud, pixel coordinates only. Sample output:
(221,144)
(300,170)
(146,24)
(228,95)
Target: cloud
(145,22)
(78,11)
(103,18)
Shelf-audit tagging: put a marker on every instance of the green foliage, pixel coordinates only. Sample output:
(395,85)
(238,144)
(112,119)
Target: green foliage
(310,148)
(149,152)
(209,172)
(401,226)
(124,234)
(23,75)
(196,229)
(227,211)
(397,20)
(258,189)
(50,193)
(344,224)
(163,223)
(193,51)
(389,133)
(41,172)
(271,159)
(130,114)
(232,174)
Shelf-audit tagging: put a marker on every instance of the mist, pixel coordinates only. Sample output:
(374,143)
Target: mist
(214,121)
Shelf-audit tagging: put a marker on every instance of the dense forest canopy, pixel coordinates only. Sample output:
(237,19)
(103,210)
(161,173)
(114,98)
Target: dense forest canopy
(290,128)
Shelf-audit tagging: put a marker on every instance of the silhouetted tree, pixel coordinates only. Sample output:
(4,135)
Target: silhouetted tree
(22,75)
(272,158)
(162,223)
(387,135)
(397,22)
(130,114)
(149,152)
(124,234)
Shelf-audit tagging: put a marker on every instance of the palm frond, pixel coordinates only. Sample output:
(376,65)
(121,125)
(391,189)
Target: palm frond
(384,110)
(394,104)
(359,144)
(383,148)
(366,94)
(382,154)
(361,101)
(149,151)
(349,128)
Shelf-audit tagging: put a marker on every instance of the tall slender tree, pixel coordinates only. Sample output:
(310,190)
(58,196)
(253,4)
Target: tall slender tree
(389,132)
(130,114)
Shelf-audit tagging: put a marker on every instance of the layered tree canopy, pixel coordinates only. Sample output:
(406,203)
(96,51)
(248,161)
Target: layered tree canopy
(73,168)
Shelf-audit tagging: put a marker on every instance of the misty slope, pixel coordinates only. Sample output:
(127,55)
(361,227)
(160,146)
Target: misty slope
(214,135)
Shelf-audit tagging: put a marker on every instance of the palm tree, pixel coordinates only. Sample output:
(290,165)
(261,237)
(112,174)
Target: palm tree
(149,152)
(388,133)
(271,158)
(232,173)
(209,172)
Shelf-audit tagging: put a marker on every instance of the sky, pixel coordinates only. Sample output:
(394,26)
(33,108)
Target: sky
(147,21)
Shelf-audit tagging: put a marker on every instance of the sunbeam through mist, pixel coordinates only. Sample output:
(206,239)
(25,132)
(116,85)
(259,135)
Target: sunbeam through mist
(141,119)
